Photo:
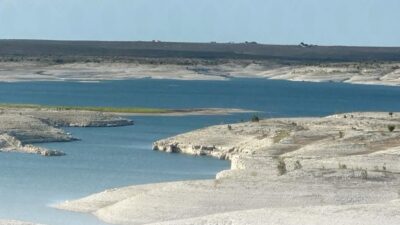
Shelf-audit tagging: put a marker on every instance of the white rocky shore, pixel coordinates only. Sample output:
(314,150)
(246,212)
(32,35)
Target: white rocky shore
(340,169)
(15,222)
(22,127)
(378,73)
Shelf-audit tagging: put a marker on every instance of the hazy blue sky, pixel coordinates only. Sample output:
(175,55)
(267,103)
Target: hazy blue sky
(325,22)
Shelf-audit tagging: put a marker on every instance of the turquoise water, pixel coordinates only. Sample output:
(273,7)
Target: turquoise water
(105,158)
(115,157)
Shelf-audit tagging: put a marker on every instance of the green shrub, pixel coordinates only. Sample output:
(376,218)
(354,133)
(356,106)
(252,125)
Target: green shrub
(281,167)
(297,165)
(342,166)
(255,118)
(364,174)
(280,135)
(59,61)
(391,128)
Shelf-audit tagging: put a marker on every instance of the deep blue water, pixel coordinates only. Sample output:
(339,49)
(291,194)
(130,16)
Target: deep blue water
(274,97)
(115,157)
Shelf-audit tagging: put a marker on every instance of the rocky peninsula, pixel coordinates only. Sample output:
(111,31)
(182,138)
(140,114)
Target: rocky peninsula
(339,169)
(21,127)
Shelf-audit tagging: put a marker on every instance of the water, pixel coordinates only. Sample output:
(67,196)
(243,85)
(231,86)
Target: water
(274,97)
(115,157)
(105,158)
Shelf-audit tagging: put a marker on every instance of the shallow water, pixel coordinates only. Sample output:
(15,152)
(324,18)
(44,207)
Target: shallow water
(115,157)
(105,158)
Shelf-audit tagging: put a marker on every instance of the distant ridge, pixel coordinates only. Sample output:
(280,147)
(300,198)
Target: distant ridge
(141,49)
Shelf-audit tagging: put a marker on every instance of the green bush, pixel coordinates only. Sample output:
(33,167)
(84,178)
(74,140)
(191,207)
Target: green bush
(281,167)
(364,174)
(391,128)
(255,118)
(342,166)
(59,61)
(297,165)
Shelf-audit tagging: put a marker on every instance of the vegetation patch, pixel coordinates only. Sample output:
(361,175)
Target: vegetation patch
(297,165)
(255,118)
(88,108)
(342,166)
(364,174)
(281,167)
(280,135)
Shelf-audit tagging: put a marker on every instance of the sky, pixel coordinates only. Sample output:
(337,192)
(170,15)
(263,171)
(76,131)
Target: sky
(322,22)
